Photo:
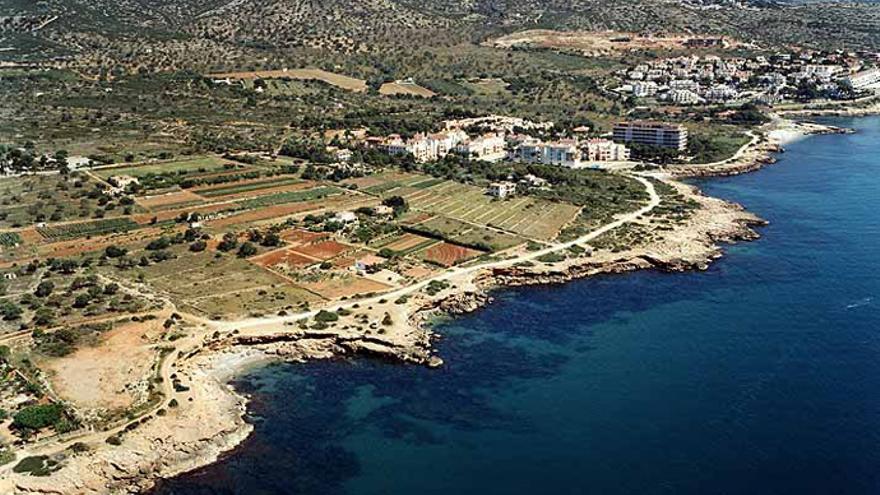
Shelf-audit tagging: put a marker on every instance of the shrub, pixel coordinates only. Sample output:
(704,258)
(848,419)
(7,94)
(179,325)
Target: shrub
(247,250)
(38,416)
(324,316)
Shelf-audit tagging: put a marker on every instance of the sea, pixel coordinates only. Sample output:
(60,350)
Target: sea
(760,375)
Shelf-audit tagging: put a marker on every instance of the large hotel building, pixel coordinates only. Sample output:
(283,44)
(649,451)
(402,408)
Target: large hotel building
(652,133)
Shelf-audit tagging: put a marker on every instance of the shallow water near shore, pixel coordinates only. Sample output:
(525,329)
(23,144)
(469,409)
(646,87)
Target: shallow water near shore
(760,375)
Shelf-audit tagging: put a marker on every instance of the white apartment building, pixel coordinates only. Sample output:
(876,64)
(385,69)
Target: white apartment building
(863,79)
(604,150)
(489,147)
(424,148)
(720,92)
(652,134)
(644,89)
(683,97)
(564,153)
(685,84)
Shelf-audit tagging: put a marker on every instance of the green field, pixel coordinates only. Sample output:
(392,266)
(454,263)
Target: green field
(290,197)
(179,167)
(251,186)
(458,232)
(85,229)
(399,185)
(9,239)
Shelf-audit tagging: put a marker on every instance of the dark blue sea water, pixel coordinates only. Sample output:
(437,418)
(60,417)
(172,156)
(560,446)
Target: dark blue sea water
(758,376)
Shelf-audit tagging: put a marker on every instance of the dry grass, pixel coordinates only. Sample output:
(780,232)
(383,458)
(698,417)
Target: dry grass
(101,376)
(338,80)
(404,88)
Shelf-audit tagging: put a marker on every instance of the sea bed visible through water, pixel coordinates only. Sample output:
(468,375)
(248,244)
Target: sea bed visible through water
(759,375)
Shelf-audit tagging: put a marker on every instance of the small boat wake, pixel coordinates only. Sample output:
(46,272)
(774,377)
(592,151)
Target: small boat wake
(861,302)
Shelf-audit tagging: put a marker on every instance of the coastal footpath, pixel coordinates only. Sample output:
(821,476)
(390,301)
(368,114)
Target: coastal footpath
(202,417)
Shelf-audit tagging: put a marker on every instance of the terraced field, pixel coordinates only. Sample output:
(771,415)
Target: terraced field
(400,184)
(523,215)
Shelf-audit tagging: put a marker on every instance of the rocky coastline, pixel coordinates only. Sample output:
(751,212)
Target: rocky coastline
(212,422)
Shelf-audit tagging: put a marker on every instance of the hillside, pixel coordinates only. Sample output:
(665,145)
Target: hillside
(200,34)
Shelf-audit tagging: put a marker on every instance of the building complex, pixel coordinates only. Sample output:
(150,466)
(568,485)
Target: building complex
(652,134)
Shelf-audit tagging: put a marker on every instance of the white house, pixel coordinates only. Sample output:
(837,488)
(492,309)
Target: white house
(501,189)
(345,217)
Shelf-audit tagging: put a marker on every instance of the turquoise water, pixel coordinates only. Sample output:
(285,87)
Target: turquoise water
(759,376)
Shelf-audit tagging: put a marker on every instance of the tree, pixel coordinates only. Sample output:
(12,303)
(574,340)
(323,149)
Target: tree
(325,316)
(38,416)
(198,246)
(398,203)
(10,311)
(43,317)
(271,240)
(159,243)
(247,250)
(81,301)
(114,251)
(44,288)
(229,242)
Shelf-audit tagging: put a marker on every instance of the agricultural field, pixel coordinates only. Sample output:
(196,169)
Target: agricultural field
(334,284)
(395,183)
(323,250)
(199,165)
(257,187)
(290,197)
(28,200)
(486,87)
(285,258)
(86,229)
(279,87)
(402,88)
(9,239)
(465,234)
(446,254)
(522,215)
(406,243)
(333,79)
(220,286)
(176,199)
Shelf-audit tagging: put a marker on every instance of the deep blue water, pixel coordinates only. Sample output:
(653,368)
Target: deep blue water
(758,376)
